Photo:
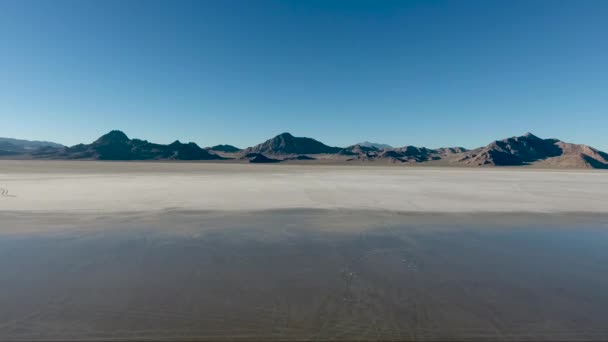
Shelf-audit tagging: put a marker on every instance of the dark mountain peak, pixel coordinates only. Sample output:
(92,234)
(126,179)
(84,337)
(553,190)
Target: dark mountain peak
(284,138)
(529,135)
(189,151)
(224,148)
(524,142)
(116,134)
(113,137)
(285,135)
(285,143)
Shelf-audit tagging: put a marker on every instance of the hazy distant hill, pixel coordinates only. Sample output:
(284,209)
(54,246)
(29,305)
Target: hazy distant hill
(286,143)
(376,145)
(20,145)
(405,154)
(358,149)
(115,145)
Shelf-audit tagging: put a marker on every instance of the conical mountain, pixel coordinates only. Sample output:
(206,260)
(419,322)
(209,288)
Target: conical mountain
(114,137)
(285,143)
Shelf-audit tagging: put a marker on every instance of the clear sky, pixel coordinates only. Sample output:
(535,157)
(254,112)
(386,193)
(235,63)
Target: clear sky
(424,73)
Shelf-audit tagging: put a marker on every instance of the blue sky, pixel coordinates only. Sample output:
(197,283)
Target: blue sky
(426,73)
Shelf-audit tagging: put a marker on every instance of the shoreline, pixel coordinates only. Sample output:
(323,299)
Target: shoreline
(321,163)
(348,221)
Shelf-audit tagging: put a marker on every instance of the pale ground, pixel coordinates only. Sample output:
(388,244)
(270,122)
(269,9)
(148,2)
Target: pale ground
(120,187)
(202,251)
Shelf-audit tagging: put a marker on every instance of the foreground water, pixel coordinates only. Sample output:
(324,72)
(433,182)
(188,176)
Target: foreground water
(303,274)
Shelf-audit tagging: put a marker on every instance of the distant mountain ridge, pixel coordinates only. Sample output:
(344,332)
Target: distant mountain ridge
(527,149)
(376,145)
(285,143)
(405,154)
(21,145)
(116,145)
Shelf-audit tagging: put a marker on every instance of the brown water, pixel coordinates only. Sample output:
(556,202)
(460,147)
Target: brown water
(303,274)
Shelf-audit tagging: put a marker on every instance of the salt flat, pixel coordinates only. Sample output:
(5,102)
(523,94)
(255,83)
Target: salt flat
(201,251)
(129,186)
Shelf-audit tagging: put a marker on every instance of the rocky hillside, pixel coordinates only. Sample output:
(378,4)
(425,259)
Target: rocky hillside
(529,149)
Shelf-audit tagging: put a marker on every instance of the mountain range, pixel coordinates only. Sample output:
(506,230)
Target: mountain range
(115,145)
(527,149)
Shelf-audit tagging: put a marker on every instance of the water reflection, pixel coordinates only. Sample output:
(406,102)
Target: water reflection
(304,275)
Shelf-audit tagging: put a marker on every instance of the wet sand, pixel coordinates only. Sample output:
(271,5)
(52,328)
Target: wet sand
(221,264)
(304,274)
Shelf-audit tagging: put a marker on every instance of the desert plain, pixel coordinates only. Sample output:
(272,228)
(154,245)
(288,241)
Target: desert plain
(190,251)
(107,187)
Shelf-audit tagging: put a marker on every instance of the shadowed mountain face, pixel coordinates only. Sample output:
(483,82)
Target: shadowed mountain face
(300,157)
(258,158)
(530,149)
(288,144)
(224,148)
(578,156)
(115,145)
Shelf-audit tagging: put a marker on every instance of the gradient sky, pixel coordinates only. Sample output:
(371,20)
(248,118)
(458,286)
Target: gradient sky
(426,73)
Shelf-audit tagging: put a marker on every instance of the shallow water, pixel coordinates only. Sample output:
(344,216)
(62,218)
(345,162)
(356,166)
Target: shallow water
(305,274)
